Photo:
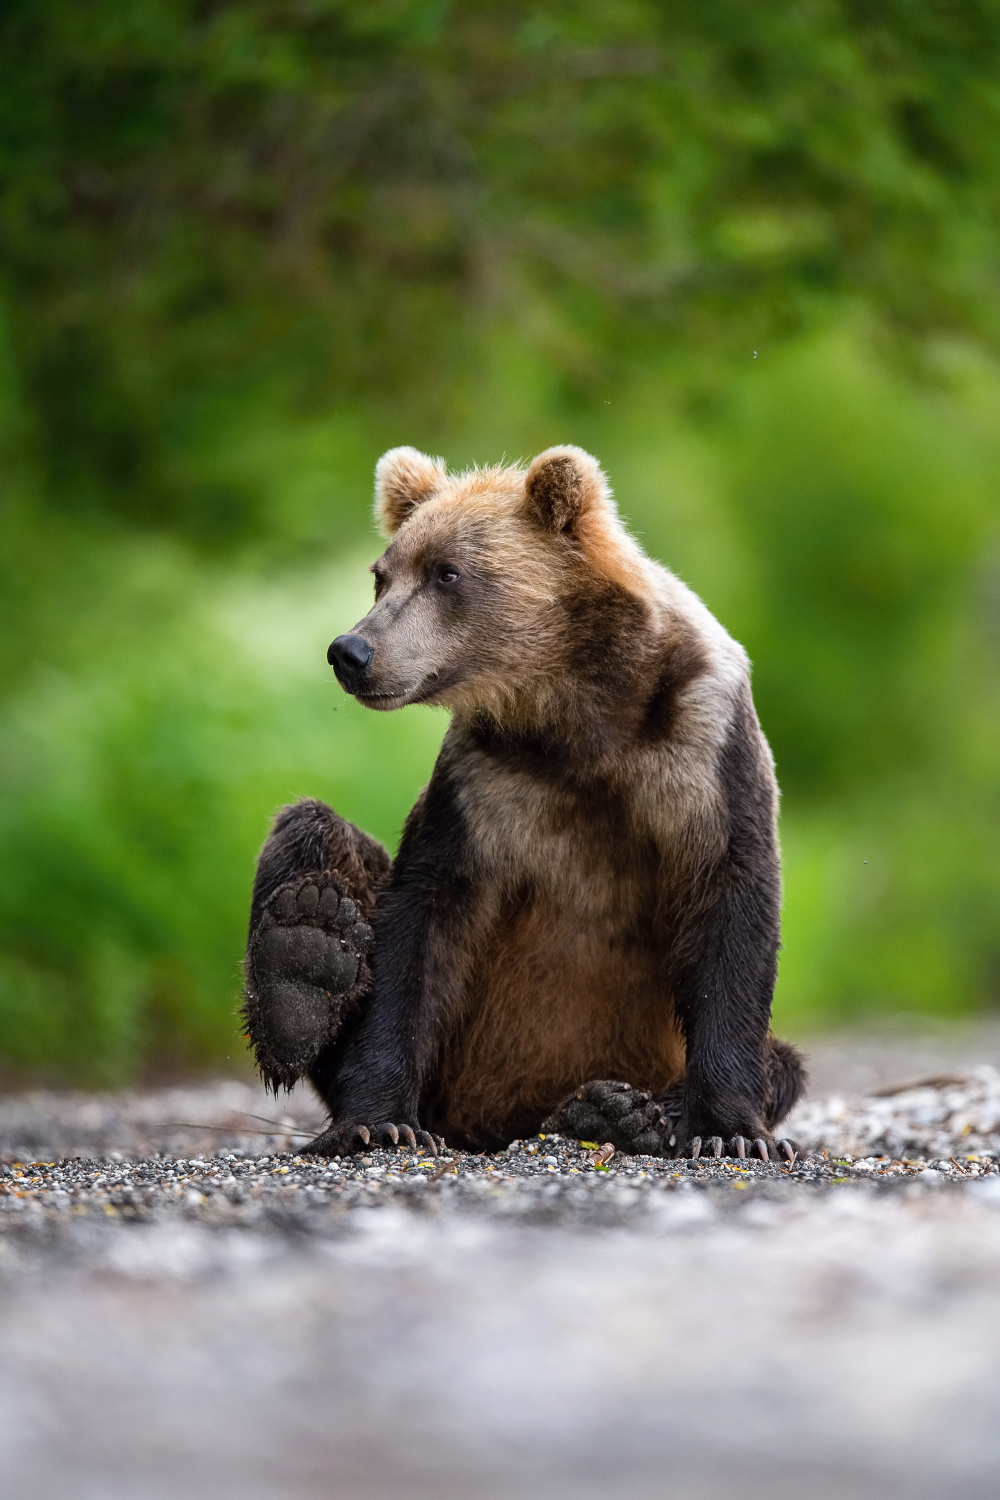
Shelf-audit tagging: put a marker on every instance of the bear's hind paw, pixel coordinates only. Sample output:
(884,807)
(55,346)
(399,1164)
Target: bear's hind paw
(608,1110)
(305,968)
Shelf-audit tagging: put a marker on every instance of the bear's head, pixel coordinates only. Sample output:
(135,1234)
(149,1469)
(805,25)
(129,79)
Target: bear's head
(495,585)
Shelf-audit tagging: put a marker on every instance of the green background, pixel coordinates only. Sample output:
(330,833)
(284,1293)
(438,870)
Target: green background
(747,255)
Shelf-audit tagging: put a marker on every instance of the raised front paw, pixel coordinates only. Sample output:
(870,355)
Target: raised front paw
(606,1110)
(305,969)
(349,1139)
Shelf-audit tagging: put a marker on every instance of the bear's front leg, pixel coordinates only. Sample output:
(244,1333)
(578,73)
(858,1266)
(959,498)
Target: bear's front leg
(373,1078)
(739,1083)
(785,1081)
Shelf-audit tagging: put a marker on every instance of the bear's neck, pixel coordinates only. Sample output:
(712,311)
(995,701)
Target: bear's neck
(572,724)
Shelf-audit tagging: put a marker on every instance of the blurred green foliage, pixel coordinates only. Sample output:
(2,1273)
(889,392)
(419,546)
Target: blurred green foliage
(747,255)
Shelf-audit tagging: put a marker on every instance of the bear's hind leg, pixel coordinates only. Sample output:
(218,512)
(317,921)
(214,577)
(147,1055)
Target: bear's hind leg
(787,1079)
(306,969)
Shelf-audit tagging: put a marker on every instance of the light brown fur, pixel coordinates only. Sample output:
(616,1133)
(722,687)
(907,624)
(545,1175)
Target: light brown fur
(560,975)
(567,862)
(552,1002)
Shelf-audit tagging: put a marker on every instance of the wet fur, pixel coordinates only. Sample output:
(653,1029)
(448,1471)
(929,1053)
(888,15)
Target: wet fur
(589,886)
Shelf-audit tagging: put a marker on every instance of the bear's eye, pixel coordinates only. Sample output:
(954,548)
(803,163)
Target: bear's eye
(379,581)
(448,574)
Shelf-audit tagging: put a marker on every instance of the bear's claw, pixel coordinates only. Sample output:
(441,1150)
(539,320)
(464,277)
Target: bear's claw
(305,968)
(348,1140)
(640,1125)
(740,1148)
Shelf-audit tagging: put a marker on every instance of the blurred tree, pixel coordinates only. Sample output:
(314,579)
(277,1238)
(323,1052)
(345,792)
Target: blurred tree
(342,200)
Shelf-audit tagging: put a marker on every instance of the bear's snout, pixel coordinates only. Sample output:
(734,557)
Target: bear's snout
(350,656)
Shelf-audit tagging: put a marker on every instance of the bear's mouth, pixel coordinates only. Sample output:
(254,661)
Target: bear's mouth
(398,698)
(425,691)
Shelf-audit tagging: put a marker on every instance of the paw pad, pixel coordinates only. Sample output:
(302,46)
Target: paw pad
(607,1109)
(305,970)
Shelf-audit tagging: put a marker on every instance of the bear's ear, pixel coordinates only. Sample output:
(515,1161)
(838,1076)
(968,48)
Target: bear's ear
(404,479)
(562,484)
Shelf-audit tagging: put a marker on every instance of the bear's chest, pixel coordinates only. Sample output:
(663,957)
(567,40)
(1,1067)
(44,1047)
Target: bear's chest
(568,845)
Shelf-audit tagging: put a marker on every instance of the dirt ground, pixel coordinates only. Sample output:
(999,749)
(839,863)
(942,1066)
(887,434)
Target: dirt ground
(189,1307)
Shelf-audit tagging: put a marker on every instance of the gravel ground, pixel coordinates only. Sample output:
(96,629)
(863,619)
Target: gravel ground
(191,1308)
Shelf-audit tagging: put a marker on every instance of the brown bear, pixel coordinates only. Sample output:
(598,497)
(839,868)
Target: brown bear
(581,926)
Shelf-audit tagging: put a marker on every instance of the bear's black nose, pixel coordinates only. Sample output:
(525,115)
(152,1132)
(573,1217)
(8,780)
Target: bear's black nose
(350,656)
